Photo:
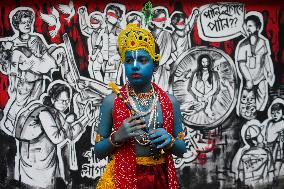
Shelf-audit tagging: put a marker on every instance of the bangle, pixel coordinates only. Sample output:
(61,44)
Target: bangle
(110,138)
(169,146)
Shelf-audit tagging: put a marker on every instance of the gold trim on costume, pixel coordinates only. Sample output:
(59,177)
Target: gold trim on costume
(149,161)
(107,179)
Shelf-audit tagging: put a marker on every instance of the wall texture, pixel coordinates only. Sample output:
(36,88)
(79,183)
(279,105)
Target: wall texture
(223,61)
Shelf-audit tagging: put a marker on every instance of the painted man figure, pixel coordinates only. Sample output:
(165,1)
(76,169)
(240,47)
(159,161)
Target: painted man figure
(94,32)
(254,64)
(146,125)
(166,45)
(113,14)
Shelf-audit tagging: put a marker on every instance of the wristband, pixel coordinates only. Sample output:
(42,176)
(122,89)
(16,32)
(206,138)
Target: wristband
(111,138)
(169,146)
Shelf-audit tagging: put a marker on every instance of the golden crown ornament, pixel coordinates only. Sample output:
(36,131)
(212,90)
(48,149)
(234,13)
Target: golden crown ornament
(133,38)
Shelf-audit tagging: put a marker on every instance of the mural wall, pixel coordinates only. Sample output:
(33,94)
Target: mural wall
(223,61)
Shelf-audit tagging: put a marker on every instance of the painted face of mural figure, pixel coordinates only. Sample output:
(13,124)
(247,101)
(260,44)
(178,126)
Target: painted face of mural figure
(25,25)
(180,25)
(62,101)
(95,22)
(112,17)
(277,115)
(251,27)
(160,20)
(205,63)
(134,19)
(252,134)
(138,67)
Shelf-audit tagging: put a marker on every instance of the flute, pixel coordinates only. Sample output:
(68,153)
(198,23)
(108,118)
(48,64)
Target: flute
(116,90)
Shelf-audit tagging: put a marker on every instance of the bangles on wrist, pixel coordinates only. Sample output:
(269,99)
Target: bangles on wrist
(180,136)
(171,144)
(111,140)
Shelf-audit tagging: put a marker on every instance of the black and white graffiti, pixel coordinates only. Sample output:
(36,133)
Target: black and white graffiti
(255,68)
(205,84)
(233,124)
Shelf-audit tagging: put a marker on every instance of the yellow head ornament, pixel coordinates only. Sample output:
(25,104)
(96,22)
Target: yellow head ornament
(133,38)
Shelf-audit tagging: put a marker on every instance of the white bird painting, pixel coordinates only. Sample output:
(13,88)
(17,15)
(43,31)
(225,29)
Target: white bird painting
(52,20)
(67,9)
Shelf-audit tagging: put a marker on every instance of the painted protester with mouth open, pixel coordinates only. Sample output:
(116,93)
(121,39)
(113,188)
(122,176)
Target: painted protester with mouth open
(141,133)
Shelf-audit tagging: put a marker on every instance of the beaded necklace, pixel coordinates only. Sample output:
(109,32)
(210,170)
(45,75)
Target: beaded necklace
(143,100)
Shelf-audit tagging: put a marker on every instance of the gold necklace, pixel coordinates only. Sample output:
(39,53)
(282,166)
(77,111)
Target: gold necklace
(132,102)
(143,139)
(143,99)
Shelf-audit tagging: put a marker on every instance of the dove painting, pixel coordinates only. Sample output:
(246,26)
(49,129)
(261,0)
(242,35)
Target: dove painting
(67,9)
(52,20)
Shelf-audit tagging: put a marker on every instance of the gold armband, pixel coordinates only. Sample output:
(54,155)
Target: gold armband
(98,137)
(180,136)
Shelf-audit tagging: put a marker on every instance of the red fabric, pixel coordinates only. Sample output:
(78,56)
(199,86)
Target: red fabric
(125,156)
(151,177)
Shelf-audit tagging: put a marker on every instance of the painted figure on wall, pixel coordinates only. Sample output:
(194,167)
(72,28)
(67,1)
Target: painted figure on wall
(273,132)
(42,130)
(182,30)
(135,17)
(205,84)
(94,31)
(252,161)
(30,62)
(255,68)
(166,44)
(114,15)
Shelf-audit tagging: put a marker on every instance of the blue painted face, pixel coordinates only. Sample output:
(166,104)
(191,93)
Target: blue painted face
(138,67)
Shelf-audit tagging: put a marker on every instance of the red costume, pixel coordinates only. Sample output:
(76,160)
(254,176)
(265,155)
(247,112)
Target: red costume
(125,172)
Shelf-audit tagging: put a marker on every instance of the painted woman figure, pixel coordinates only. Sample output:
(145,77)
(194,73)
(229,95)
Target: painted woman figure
(41,130)
(142,132)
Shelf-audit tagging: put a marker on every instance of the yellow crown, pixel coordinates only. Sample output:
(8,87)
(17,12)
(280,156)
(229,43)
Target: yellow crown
(133,38)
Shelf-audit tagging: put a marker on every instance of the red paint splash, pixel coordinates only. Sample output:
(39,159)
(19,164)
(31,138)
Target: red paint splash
(211,146)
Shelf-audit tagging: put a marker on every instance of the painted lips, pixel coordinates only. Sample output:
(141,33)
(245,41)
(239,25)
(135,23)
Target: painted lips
(135,75)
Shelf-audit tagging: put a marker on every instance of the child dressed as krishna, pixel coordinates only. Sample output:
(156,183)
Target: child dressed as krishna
(140,126)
